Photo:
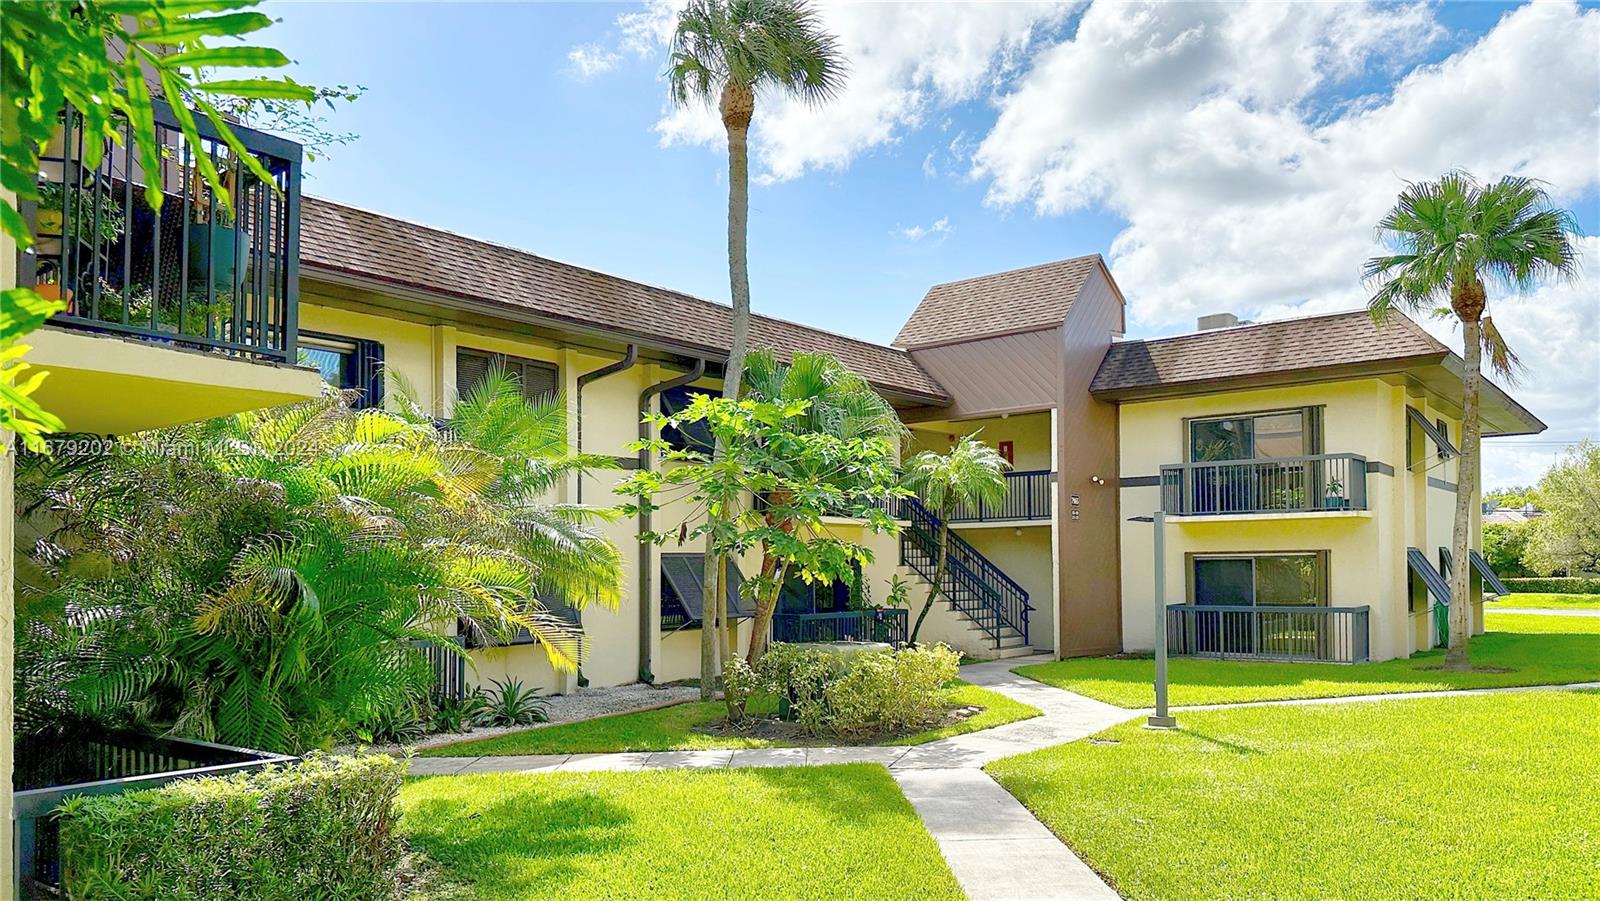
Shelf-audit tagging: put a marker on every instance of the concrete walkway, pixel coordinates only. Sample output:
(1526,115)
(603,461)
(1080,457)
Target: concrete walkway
(1543,611)
(994,846)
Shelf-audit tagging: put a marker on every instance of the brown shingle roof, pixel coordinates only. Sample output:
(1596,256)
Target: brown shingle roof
(1021,300)
(1271,349)
(358,242)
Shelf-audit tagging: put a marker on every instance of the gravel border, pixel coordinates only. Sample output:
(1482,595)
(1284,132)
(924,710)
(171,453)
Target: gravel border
(581,704)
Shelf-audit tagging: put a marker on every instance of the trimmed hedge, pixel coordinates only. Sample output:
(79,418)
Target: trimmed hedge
(1555,585)
(322,828)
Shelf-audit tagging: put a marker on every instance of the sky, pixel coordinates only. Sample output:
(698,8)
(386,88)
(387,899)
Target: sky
(1220,157)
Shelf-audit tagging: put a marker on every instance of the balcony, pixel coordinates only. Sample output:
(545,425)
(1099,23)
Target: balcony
(1327,634)
(1320,483)
(1027,498)
(174,298)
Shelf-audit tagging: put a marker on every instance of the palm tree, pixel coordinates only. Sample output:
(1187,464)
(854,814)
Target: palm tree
(970,473)
(267,589)
(838,403)
(729,51)
(1450,237)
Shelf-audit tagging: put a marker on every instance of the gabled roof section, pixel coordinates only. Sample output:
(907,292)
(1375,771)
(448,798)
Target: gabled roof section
(1297,351)
(1332,343)
(1021,300)
(351,241)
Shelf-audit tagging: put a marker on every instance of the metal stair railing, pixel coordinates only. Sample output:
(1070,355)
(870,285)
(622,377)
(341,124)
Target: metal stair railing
(973,585)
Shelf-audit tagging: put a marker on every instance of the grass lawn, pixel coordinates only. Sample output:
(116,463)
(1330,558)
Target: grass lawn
(1538,650)
(1547,601)
(673,729)
(1486,796)
(837,831)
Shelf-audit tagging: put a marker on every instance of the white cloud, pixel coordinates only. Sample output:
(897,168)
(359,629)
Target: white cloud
(907,60)
(940,228)
(589,60)
(1213,132)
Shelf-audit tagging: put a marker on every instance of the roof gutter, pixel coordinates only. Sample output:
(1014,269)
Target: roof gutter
(627,361)
(645,581)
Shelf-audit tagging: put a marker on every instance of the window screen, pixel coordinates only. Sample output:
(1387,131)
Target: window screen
(539,380)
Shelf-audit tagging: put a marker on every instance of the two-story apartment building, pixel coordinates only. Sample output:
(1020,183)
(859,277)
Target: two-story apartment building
(1308,475)
(1304,464)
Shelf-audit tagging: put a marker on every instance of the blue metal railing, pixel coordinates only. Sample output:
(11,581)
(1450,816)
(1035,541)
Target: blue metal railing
(885,624)
(1027,498)
(1332,634)
(972,584)
(1280,485)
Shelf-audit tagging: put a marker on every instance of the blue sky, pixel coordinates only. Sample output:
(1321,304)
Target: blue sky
(479,118)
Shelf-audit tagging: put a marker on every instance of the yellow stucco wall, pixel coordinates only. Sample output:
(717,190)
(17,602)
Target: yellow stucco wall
(1366,552)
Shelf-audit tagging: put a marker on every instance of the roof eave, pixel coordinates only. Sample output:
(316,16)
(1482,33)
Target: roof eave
(1265,380)
(471,304)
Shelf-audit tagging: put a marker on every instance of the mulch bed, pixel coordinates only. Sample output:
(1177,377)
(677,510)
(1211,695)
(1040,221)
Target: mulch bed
(787,732)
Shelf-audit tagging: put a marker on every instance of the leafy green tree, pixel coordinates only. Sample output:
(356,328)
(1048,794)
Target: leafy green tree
(838,403)
(970,473)
(59,54)
(804,473)
(1566,538)
(1505,546)
(261,579)
(1509,498)
(1451,238)
(729,52)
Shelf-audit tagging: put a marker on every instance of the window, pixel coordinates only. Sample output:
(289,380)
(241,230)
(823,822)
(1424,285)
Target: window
(1261,436)
(540,380)
(346,363)
(695,436)
(1263,580)
(799,596)
(1277,582)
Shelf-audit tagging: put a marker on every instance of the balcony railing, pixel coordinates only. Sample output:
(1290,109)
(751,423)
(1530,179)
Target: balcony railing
(189,273)
(884,624)
(1027,497)
(1331,634)
(1278,485)
(50,769)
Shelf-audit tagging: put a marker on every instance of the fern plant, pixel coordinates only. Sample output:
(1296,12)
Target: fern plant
(264,579)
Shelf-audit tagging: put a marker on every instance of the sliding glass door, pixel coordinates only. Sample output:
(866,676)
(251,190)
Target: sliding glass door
(1237,444)
(1274,581)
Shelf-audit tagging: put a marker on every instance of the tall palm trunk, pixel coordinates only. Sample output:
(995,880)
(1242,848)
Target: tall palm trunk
(937,588)
(1466,492)
(1467,298)
(738,108)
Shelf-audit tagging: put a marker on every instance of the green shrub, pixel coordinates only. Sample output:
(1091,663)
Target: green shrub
(1555,585)
(510,704)
(739,683)
(891,692)
(322,828)
(863,694)
(1505,545)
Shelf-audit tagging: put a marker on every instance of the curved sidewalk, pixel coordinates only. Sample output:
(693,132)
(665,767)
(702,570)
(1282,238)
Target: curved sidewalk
(994,846)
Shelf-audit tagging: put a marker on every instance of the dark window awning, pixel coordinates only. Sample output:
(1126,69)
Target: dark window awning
(1490,579)
(683,573)
(1437,586)
(1439,439)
